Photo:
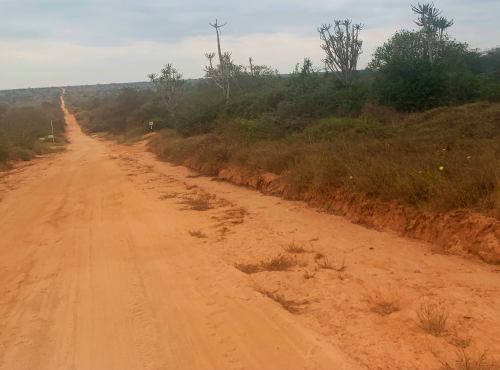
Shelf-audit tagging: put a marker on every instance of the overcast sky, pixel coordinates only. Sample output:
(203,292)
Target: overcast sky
(71,42)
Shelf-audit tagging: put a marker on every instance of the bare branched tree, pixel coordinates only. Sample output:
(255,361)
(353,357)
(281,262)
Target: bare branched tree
(225,71)
(343,47)
(433,27)
(169,85)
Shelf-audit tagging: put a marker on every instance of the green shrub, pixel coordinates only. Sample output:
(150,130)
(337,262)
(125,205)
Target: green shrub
(442,159)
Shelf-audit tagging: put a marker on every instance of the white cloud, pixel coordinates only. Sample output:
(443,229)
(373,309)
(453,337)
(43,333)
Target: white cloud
(52,63)
(60,42)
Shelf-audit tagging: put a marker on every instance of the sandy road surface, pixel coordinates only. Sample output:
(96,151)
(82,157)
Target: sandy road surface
(110,260)
(97,274)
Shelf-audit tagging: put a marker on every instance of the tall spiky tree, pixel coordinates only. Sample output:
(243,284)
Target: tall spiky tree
(343,47)
(169,86)
(433,27)
(225,71)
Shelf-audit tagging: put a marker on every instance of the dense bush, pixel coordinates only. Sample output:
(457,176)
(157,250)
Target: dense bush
(288,104)
(21,129)
(409,81)
(442,159)
(490,63)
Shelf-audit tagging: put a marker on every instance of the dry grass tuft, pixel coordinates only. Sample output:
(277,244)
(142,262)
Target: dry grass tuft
(197,204)
(197,234)
(309,275)
(248,268)
(459,337)
(384,304)
(295,249)
(465,361)
(294,307)
(325,264)
(278,263)
(432,317)
(168,196)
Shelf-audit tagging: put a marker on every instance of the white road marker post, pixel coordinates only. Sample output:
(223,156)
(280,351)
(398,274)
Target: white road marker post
(151,124)
(52,130)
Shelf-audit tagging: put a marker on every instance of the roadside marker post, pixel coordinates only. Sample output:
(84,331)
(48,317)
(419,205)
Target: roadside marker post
(151,124)
(52,130)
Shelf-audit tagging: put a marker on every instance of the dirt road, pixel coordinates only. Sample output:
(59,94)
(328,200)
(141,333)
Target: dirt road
(111,260)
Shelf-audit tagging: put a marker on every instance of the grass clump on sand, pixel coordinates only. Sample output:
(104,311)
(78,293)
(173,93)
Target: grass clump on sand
(432,317)
(277,263)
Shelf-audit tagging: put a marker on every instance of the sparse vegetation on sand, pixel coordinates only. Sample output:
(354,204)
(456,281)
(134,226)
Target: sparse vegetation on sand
(197,234)
(466,361)
(385,303)
(280,262)
(199,203)
(324,263)
(295,249)
(248,268)
(432,317)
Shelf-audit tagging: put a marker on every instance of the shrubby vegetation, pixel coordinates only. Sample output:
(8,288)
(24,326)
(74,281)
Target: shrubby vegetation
(398,130)
(23,125)
(441,159)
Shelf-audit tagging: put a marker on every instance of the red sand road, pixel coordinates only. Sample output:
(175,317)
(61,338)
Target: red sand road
(111,260)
